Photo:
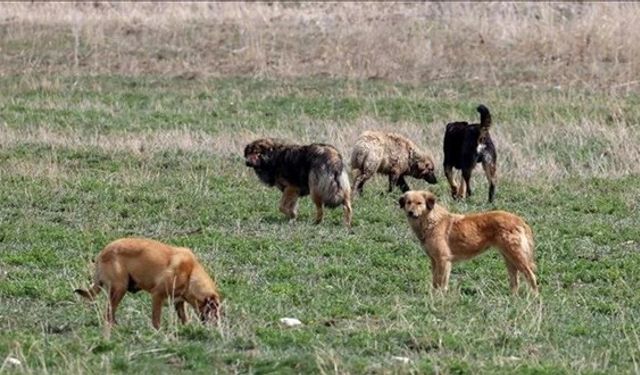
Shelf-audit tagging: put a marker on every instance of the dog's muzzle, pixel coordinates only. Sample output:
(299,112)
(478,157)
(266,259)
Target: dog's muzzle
(412,215)
(431,178)
(252,160)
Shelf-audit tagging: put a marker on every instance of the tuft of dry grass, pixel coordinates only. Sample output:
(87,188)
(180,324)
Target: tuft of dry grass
(569,44)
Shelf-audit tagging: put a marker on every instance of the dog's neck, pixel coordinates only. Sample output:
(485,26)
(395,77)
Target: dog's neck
(414,158)
(427,222)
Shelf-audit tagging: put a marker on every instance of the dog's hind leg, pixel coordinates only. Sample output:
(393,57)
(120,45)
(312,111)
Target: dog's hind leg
(466,183)
(348,212)
(512,270)
(116,293)
(490,172)
(448,172)
(515,254)
(318,201)
(357,180)
(358,183)
(531,278)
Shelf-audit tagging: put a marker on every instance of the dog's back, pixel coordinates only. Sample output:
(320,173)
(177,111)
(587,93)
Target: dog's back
(134,263)
(476,232)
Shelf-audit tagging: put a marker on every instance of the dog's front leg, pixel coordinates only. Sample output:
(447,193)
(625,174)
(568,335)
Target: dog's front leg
(156,312)
(465,185)
(490,172)
(289,202)
(402,184)
(434,273)
(396,179)
(392,182)
(181,311)
(441,272)
(348,213)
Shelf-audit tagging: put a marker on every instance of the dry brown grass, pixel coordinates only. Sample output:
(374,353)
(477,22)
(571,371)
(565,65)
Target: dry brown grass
(546,152)
(593,44)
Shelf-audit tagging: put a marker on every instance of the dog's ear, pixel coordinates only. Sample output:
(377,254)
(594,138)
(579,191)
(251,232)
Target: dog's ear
(430,165)
(269,146)
(401,201)
(429,200)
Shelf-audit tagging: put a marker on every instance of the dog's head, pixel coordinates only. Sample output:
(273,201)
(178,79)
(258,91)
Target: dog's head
(258,152)
(209,309)
(423,168)
(417,203)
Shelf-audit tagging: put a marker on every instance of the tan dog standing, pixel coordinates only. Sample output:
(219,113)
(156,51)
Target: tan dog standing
(134,264)
(448,237)
(390,154)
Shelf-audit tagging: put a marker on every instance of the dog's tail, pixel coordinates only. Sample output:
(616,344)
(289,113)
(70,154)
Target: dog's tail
(485,117)
(527,244)
(331,182)
(91,293)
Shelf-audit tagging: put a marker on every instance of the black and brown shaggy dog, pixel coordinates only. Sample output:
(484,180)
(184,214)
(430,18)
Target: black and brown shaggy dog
(448,238)
(391,154)
(298,170)
(466,145)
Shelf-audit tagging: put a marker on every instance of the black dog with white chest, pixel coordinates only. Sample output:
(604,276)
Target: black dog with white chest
(466,145)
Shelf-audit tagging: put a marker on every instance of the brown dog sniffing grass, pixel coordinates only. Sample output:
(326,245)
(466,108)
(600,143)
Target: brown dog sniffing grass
(448,238)
(134,264)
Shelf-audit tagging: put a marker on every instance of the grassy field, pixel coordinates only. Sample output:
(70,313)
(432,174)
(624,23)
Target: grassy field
(129,120)
(87,160)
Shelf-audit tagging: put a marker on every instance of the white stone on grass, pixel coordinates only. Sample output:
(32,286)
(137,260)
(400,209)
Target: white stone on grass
(401,359)
(12,361)
(290,322)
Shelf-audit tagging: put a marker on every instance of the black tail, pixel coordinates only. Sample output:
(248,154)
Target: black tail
(485,116)
(91,293)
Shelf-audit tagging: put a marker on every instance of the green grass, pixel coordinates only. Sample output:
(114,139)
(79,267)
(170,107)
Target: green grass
(363,297)
(109,104)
